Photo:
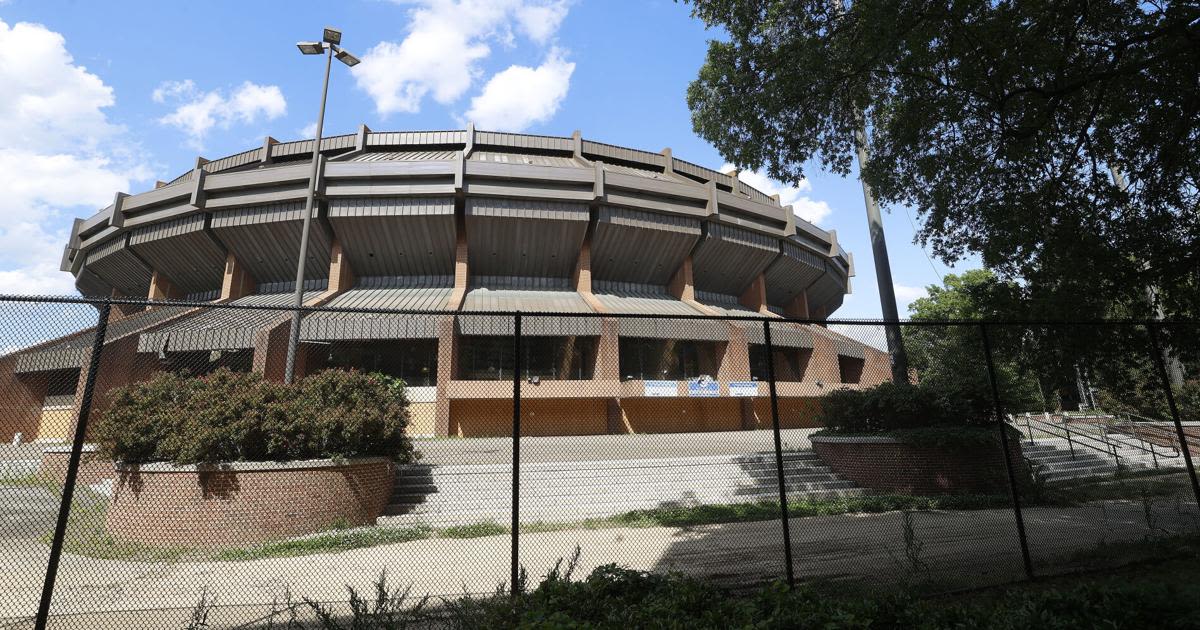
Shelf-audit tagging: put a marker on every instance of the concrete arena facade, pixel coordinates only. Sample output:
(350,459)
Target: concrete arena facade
(469,221)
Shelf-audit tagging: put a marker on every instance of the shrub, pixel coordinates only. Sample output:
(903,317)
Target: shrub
(230,416)
(891,407)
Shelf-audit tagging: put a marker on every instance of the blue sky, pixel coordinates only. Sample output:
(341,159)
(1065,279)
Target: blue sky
(108,96)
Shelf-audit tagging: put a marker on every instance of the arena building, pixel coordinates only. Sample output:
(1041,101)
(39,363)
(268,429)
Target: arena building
(463,223)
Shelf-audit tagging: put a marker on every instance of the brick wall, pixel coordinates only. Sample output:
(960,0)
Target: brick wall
(91,469)
(888,465)
(20,401)
(244,504)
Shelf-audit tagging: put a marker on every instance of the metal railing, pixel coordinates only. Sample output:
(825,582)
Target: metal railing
(1103,441)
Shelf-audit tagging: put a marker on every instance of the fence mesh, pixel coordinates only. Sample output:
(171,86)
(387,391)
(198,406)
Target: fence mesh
(657,443)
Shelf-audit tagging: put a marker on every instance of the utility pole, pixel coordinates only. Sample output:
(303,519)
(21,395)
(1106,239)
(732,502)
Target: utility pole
(883,267)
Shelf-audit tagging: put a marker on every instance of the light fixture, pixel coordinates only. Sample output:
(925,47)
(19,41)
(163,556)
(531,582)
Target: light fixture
(347,58)
(332,35)
(311,48)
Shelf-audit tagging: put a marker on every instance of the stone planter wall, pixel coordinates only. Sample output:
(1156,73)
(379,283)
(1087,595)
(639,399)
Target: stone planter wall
(244,503)
(886,464)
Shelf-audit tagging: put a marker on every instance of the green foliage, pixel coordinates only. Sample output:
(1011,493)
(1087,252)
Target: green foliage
(997,122)
(616,598)
(230,416)
(891,407)
(474,530)
(1145,398)
(329,542)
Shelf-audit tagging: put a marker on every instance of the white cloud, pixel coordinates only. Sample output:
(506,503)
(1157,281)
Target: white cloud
(521,96)
(905,295)
(811,210)
(49,103)
(540,23)
(197,112)
(56,155)
(446,42)
(309,130)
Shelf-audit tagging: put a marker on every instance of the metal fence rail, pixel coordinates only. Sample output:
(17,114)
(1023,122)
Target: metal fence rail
(693,443)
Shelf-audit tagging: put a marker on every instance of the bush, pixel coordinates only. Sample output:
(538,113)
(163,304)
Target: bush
(229,416)
(891,407)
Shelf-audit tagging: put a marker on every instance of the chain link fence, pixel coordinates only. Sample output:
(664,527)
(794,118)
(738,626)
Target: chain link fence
(158,465)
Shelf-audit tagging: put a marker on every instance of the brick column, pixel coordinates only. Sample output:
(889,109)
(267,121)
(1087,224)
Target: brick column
(447,369)
(162,289)
(237,281)
(755,295)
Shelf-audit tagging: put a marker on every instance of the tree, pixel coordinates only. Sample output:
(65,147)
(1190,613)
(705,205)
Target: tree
(998,122)
(952,357)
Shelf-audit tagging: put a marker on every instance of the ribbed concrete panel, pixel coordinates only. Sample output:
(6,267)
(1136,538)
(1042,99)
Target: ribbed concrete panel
(91,285)
(828,290)
(114,263)
(642,247)
(70,353)
(404,156)
(163,247)
(525,158)
(523,141)
(791,273)
(783,334)
(220,328)
(415,138)
(523,237)
(305,147)
(728,258)
(604,151)
(234,161)
(266,239)
(413,294)
(527,301)
(396,236)
(640,172)
(629,298)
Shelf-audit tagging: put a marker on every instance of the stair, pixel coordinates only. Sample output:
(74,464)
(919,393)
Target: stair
(441,495)
(1056,462)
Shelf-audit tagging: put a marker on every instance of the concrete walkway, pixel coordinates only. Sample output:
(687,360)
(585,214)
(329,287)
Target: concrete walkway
(957,550)
(607,447)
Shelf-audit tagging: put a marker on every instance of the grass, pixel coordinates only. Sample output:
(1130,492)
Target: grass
(328,542)
(87,536)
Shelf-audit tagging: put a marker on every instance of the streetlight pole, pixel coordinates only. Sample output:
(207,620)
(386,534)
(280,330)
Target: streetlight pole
(331,38)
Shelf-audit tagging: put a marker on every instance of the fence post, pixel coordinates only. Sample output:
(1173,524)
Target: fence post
(516,454)
(1008,464)
(68,490)
(783,504)
(1156,350)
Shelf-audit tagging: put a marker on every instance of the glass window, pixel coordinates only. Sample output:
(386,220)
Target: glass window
(412,360)
(486,358)
(666,359)
(791,364)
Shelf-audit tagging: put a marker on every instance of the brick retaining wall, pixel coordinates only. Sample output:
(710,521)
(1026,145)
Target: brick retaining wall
(889,465)
(91,470)
(243,504)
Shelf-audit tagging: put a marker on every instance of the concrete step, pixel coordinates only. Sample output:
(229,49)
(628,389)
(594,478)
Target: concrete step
(568,491)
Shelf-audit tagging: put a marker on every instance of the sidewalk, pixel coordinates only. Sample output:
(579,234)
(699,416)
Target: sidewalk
(960,549)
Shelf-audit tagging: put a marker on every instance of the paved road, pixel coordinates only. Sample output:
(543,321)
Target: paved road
(959,549)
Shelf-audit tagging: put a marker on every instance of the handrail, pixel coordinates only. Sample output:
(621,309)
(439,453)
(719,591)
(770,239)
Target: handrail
(1116,423)
(1105,442)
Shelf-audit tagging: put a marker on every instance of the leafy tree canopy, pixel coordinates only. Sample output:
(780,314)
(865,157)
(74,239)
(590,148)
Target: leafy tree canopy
(997,121)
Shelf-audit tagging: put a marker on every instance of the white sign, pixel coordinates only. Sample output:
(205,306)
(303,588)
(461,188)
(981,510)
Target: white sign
(743,388)
(661,388)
